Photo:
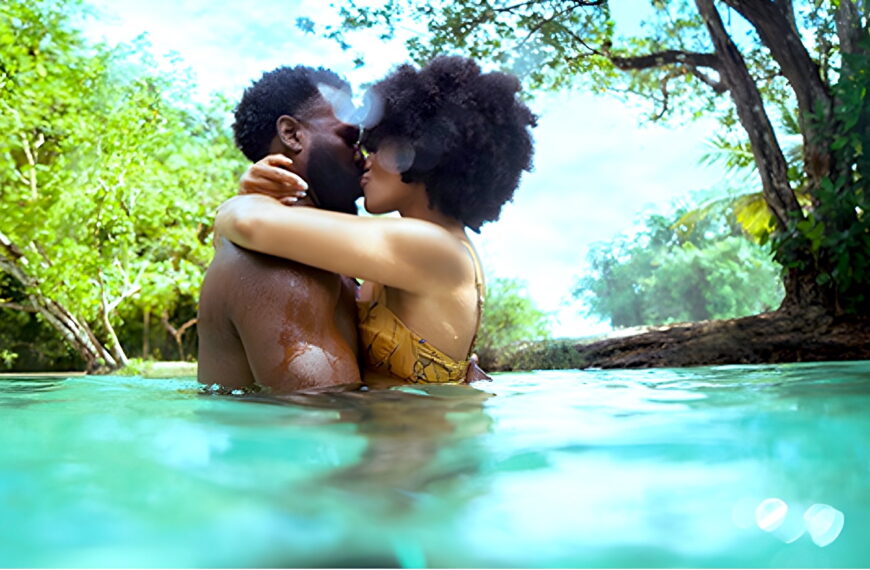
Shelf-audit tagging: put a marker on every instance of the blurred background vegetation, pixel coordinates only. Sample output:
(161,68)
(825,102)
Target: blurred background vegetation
(110,173)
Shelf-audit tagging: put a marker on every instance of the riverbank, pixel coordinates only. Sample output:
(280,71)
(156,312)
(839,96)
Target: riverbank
(146,369)
(158,369)
(769,338)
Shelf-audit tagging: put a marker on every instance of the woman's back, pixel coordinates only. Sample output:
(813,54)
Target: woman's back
(422,336)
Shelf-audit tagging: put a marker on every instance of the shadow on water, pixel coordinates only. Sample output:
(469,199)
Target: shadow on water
(14,391)
(23,385)
(423,460)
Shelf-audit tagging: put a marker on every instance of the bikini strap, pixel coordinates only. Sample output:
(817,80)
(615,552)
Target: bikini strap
(481,291)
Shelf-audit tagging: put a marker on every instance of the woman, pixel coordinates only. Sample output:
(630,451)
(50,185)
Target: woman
(447,154)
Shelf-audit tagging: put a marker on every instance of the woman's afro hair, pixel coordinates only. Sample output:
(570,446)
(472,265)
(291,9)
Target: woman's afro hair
(283,91)
(468,130)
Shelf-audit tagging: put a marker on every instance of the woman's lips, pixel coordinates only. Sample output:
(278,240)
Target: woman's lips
(364,179)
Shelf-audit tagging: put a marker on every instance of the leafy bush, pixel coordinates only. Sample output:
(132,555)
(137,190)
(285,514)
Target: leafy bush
(664,274)
(508,317)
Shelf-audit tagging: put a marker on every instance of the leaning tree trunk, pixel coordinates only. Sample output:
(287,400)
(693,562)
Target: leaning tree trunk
(774,22)
(74,331)
(78,334)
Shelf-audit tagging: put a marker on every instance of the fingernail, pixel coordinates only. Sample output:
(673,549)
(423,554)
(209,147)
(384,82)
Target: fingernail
(303,184)
(302,194)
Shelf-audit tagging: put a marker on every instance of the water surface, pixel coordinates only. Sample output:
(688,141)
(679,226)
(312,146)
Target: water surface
(731,466)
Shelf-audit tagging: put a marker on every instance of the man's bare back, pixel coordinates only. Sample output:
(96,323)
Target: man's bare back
(269,322)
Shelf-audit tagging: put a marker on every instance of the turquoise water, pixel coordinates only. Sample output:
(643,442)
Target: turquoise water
(726,466)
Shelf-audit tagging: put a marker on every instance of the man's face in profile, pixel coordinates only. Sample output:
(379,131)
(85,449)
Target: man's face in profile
(333,163)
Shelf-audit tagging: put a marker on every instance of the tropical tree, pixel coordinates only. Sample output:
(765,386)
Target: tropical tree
(807,59)
(668,273)
(509,316)
(108,177)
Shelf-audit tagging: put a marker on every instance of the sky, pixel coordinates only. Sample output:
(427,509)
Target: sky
(598,166)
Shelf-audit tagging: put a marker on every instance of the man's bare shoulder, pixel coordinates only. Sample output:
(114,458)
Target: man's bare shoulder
(242,268)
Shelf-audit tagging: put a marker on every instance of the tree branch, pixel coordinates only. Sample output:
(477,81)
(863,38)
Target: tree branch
(490,13)
(18,307)
(667,57)
(663,86)
(544,21)
(689,62)
(126,293)
(183,328)
(12,251)
(32,155)
(717,86)
(177,333)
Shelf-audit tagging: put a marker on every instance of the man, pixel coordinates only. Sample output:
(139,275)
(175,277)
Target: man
(268,322)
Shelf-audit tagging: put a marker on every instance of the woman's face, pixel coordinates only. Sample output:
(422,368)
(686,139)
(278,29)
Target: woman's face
(382,183)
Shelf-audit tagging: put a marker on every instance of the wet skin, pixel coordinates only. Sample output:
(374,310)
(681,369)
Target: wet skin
(269,322)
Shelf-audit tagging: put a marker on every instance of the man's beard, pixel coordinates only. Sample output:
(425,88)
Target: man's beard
(333,185)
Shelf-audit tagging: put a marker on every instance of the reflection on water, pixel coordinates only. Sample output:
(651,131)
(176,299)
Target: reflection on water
(724,466)
(407,432)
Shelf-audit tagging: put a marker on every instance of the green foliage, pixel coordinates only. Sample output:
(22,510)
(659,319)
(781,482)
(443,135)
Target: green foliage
(836,229)
(109,173)
(668,274)
(658,52)
(28,343)
(553,354)
(508,317)
(554,44)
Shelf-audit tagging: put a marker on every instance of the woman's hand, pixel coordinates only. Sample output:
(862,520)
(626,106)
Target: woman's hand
(272,176)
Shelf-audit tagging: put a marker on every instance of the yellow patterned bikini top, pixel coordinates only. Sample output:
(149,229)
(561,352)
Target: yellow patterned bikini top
(390,346)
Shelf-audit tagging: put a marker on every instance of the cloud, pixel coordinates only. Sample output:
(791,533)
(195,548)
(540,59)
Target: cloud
(597,169)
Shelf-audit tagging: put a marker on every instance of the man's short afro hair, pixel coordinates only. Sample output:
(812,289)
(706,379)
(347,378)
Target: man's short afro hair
(469,132)
(284,91)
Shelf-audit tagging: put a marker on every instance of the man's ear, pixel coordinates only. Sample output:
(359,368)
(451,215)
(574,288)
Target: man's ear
(290,133)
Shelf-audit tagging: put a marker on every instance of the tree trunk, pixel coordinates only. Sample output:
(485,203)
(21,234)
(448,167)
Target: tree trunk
(114,345)
(849,28)
(803,291)
(774,22)
(75,332)
(78,334)
(769,159)
(809,335)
